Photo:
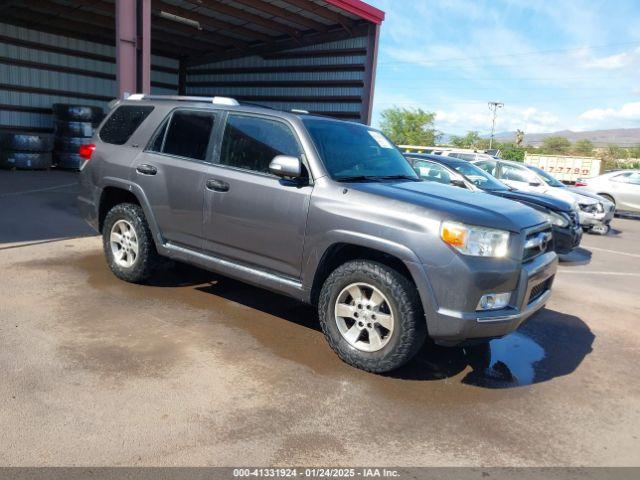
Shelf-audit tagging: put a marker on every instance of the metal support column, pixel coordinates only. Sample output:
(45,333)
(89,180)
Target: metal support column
(133,46)
(370,73)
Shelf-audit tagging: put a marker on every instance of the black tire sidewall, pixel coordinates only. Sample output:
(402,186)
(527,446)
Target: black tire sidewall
(145,261)
(27,142)
(25,160)
(77,113)
(409,326)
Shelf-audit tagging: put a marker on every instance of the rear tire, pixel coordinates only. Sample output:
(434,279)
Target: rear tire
(68,161)
(128,244)
(77,113)
(360,337)
(27,142)
(25,160)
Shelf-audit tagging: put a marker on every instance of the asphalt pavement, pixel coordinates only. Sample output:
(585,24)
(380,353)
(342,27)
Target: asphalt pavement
(198,369)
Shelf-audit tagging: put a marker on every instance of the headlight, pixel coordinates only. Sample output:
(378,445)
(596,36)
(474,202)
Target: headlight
(476,241)
(591,208)
(557,219)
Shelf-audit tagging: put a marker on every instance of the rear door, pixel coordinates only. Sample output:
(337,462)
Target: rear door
(251,215)
(172,172)
(626,188)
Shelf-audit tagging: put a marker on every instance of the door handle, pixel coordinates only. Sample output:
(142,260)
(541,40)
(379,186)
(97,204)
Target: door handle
(146,169)
(217,185)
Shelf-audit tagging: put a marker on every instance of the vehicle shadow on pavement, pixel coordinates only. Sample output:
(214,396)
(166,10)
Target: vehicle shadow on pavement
(579,256)
(549,345)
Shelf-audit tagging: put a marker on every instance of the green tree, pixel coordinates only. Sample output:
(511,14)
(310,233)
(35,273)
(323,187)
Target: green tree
(409,126)
(511,151)
(584,147)
(634,152)
(558,145)
(471,140)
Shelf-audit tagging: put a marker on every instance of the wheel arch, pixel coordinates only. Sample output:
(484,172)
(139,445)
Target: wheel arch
(352,247)
(115,191)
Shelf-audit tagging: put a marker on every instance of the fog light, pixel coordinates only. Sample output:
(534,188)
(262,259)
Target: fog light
(493,301)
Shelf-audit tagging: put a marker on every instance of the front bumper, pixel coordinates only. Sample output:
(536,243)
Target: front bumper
(566,239)
(589,220)
(532,291)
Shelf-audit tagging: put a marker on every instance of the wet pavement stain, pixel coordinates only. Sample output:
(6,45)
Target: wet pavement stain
(549,345)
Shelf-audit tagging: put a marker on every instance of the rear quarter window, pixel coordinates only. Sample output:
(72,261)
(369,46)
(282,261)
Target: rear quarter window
(123,122)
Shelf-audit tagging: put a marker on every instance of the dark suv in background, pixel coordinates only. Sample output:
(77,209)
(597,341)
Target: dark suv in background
(562,215)
(326,211)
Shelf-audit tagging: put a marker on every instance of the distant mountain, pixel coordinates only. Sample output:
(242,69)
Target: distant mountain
(624,137)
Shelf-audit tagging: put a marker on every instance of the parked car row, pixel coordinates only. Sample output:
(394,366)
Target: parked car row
(562,214)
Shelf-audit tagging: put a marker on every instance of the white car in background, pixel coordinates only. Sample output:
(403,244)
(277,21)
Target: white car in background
(622,187)
(596,212)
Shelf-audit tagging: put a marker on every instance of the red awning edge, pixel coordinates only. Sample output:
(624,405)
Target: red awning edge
(359,8)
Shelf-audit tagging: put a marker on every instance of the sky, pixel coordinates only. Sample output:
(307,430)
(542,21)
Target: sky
(556,65)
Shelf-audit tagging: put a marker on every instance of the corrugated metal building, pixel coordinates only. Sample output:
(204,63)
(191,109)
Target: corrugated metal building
(307,54)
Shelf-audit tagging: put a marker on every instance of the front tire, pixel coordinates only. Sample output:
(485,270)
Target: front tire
(371,316)
(128,244)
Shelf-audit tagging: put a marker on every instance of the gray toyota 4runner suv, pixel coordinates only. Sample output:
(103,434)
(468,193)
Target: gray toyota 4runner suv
(325,211)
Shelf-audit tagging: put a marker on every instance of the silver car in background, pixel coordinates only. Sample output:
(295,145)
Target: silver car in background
(595,212)
(622,187)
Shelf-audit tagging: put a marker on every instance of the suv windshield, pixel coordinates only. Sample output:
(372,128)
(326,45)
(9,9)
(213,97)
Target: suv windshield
(351,151)
(549,180)
(479,177)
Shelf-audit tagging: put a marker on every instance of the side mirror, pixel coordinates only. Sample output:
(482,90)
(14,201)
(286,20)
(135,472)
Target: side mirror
(456,182)
(534,184)
(286,166)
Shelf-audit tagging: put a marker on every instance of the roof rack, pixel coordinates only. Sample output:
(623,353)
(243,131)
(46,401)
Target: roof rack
(299,110)
(179,98)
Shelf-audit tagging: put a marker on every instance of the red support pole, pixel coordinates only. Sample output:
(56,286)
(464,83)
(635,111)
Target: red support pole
(144,46)
(133,47)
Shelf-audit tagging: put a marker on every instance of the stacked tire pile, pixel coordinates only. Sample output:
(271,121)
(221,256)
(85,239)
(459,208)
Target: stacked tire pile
(25,151)
(74,126)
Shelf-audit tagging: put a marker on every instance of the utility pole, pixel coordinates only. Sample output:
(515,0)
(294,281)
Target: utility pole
(494,106)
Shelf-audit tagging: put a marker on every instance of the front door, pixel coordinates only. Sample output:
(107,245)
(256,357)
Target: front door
(521,178)
(172,172)
(252,216)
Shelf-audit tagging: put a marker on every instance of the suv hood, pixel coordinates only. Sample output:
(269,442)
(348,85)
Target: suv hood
(570,196)
(584,193)
(457,204)
(540,199)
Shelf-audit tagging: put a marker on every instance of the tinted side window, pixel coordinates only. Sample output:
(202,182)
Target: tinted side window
(509,172)
(489,167)
(634,178)
(188,134)
(123,122)
(251,143)
(433,172)
(624,178)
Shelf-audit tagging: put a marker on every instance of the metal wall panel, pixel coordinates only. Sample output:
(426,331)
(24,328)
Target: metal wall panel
(32,76)
(316,83)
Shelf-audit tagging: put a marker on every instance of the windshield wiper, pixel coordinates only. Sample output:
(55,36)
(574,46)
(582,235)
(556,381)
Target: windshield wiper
(358,178)
(375,178)
(399,177)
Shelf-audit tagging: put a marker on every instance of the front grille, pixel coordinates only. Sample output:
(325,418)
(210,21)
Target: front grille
(537,243)
(538,290)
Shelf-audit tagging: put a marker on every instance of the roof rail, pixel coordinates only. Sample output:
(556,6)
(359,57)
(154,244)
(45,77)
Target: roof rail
(299,110)
(179,98)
